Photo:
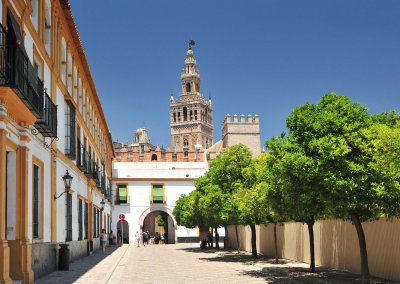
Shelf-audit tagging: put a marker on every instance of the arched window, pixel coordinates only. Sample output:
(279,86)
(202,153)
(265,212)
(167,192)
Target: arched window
(187,87)
(185,114)
(185,154)
(154,157)
(185,143)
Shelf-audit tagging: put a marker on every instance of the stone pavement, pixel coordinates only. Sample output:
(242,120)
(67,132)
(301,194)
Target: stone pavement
(187,263)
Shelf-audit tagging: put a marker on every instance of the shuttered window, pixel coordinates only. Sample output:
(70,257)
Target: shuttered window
(80,215)
(86,221)
(68,205)
(158,193)
(122,194)
(35,202)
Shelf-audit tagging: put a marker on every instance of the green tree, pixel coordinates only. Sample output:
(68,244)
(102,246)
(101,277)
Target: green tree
(294,186)
(250,199)
(342,139)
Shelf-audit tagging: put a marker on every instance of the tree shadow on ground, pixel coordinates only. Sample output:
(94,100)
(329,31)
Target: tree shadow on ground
(302,275)
(286,271)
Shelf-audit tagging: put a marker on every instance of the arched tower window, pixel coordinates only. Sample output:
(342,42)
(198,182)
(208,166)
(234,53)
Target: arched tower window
(185,154)
(154,157)
(174,117)
(185,143)
(185,114)
(187,87)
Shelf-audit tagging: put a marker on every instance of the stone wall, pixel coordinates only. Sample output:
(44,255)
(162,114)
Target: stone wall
(44,258)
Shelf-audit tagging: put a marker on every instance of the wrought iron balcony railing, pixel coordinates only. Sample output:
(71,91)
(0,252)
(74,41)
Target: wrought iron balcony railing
(47,124)
(17,72)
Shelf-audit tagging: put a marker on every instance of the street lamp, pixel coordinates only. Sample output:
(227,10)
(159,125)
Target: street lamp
(67,178)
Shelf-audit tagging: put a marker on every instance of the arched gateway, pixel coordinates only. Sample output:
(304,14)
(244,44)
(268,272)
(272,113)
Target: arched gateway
(147,222)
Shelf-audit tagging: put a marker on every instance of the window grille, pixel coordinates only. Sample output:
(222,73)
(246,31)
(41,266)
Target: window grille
(68,205)
(86,221)
(70,137)
(80,219)
(35,202)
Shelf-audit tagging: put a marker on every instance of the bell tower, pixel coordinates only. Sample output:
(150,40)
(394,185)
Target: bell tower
(191,115)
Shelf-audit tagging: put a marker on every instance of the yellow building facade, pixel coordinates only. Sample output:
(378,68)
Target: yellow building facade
(51,124)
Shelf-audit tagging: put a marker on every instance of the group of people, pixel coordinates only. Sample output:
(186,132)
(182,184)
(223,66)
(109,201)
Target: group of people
(146,238)
(110,239)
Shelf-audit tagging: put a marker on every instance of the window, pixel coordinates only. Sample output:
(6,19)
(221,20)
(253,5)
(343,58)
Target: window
(69,76)
(185,154)
(70,139)
(187,87)
(34,14)
(94,222)
(158,193)
(47,26)
(68,217)
(86,221)
(122,194)
(195,114)
(185,143)
(36,201)
(63,61)
(174,117)
(154,157)
(98,223)
(80,215)
(185,114)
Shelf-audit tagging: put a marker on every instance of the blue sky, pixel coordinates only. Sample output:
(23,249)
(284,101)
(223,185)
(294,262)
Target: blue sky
(259,56)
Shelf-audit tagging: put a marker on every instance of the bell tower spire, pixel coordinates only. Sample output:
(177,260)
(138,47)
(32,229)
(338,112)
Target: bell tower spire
(191,115)
(190,75)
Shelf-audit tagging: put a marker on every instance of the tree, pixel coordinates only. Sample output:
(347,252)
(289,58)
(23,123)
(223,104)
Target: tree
(343,140)
(250,199)
(294,186)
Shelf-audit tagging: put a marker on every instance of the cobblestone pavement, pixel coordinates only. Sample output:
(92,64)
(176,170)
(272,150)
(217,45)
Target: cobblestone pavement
(187,263)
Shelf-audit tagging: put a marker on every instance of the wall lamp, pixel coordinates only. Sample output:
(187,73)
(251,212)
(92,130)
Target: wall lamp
(102,203)
(67,178)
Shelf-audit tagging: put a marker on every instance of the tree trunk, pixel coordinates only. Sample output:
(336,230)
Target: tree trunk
(365,276)
(237,238)
(310,225)
(253,241)
(211,243)
(216,238)
(226,236)
(276,244)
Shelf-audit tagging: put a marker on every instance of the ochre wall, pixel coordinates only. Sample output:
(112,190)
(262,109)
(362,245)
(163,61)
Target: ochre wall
(336,244)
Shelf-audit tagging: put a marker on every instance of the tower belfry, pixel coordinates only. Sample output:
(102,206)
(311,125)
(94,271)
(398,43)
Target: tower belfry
(191,114)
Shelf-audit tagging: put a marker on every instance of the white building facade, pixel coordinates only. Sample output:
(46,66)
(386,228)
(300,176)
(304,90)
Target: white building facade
(145,190)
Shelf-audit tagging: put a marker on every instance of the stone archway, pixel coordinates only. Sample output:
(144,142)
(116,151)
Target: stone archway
(149,225)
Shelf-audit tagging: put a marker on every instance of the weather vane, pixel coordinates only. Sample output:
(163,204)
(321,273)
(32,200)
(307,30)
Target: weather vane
(191,43)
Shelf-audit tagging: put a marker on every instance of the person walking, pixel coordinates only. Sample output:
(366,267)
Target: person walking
(137,237)
(111,238)
(103,240)
(119,238)
(144,238)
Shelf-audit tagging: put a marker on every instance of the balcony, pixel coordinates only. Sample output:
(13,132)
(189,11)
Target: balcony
(47,124)
(17,72)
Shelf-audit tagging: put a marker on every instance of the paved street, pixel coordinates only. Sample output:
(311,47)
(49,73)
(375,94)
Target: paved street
(187,263)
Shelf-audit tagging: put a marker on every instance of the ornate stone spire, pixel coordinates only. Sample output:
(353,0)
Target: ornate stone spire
(190,75)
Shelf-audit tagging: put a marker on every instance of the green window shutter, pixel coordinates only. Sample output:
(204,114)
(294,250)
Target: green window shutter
(122,194)
(158,195)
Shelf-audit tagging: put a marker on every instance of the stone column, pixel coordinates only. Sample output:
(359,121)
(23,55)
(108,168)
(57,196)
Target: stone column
(21,247)
(4,249)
